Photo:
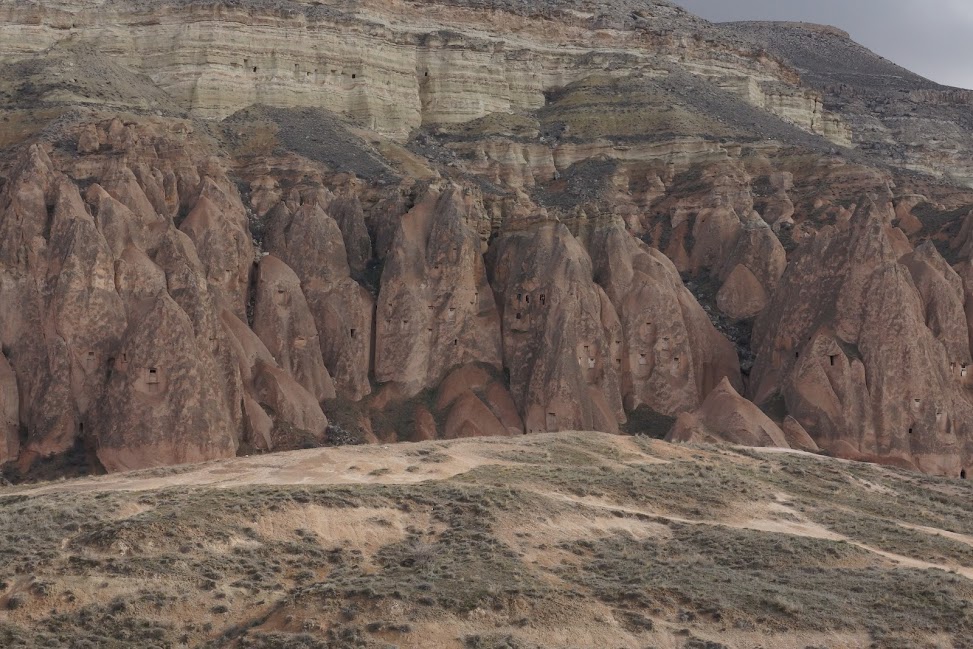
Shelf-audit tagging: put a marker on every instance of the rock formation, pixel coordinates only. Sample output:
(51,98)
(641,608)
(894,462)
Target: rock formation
(727,417)
(342,222)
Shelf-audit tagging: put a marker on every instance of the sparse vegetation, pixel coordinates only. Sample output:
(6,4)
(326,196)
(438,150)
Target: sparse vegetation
(544,531)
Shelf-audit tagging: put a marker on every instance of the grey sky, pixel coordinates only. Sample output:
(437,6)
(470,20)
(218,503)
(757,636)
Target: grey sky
(933,38)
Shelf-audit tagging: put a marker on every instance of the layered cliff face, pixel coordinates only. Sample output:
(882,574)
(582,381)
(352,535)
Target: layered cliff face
(461,218)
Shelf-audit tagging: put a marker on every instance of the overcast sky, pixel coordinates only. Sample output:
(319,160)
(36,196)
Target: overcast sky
(931,37)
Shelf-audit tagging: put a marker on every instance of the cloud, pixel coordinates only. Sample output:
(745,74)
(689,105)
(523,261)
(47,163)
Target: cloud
(930,38)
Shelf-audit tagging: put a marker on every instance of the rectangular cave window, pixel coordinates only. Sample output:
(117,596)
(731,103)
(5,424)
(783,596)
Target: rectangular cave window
(518,316)
(153,376)
(352,332)
(527,298)
(831,358)
(962,474)
(797,354)
(543,299)
(910,431)
(455,342)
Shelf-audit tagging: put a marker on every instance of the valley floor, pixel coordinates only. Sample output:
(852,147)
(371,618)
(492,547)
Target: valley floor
(546,541)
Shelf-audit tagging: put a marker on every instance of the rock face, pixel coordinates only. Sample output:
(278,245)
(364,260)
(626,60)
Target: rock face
(455,218)
(670,356)
(435,309)
(868,352)
(10,438)
(561,335)
(310,242)
(161,405)
(283,322)
(727,417)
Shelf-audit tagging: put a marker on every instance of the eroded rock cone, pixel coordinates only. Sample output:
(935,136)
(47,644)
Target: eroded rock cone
(161,406)
(9,413)
(310,242)
(668,354)
(561,335)
(283,321)
(867,350)
(726,417)
(435,309)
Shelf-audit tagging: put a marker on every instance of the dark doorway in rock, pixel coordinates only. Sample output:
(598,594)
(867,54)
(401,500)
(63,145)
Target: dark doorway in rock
(831,358)
(962,474)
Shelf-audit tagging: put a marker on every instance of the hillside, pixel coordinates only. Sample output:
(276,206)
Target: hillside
(547,541)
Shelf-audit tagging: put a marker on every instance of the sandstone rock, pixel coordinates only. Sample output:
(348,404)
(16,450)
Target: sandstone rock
(561,335)
(726,417)
(741,296)
(284,323)
(310,242)
(866,362)
(470,417)
(425,425)
(271,393)
(218,228)
(89,142)
(288,401)
(475,403)
(435,309)
(160,406)
(797,437)
(9,413)
(667,353)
